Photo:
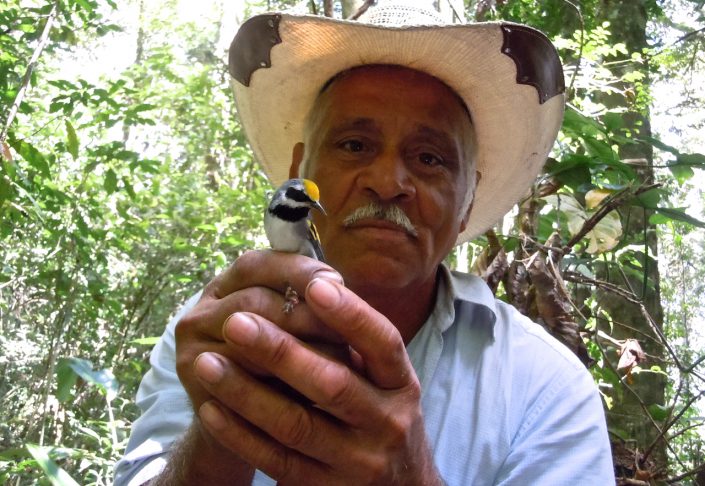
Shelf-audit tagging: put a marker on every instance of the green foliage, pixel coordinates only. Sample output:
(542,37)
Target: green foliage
(56,475)
(122,194)
(610,189)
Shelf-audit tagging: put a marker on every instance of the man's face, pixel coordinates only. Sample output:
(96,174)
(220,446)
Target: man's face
(391,136)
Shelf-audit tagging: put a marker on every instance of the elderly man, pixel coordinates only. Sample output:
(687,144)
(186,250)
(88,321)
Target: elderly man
(392,369)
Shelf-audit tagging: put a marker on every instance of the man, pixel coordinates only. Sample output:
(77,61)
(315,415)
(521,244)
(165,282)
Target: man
(437,382)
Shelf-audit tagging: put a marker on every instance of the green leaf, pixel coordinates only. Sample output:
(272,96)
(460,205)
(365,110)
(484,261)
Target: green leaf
(650,198)
(659,412)
(146,341)
(103,379)
(603,237)
(681,172)
(579,124)
(65,380)
(613,121)
(573,171)
(85,5)
(72,140)
(679,215)
(110,181)
(693,160)
(142,107)
(601,150)
(56,475)
(129,188)
(35,158)
(660,145)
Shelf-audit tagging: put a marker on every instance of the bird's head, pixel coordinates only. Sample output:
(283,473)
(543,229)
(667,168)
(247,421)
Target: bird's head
(299,193)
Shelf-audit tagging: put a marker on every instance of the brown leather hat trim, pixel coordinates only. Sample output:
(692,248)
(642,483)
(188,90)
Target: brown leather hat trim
(251,47)
(536,60)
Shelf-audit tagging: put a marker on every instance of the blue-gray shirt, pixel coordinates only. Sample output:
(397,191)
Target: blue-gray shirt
(504,403)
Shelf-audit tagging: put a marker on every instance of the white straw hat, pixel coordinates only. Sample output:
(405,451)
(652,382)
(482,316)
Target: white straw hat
(508,75)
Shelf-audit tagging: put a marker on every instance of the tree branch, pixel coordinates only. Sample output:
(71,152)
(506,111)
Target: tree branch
(328,8)
(672,422)
(363,8)
(582,44)
(610,203)
(28,72)
(675,479)
(630,297)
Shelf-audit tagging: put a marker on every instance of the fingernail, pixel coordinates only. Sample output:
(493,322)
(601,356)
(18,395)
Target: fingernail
(209,368)
(211,414)
(323,292)
(241,329)
(335,276)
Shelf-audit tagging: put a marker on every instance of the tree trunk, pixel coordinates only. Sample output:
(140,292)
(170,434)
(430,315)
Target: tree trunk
(628,25)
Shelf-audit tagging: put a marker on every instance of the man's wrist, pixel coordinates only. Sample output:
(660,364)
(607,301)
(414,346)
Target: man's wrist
(196,459)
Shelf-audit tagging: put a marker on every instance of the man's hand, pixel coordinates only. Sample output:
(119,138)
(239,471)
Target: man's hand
(365,428)
(255,283)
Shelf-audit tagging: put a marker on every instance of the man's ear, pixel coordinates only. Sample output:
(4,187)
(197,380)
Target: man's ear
(297,155)
(466,216)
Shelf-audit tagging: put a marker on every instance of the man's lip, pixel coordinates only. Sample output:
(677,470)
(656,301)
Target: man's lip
(378,224)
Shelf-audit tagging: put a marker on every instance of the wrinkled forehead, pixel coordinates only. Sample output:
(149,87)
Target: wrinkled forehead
(379,73)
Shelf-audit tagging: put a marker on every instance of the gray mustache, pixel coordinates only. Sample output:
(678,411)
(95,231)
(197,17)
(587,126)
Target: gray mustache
(393,214)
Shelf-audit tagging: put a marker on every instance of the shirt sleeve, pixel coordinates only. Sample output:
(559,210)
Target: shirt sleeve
(166,412)
(563,439)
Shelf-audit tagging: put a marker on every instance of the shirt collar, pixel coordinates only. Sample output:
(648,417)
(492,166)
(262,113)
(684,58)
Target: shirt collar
(463,293)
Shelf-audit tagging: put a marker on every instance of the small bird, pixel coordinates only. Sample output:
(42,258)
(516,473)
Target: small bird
(288,225)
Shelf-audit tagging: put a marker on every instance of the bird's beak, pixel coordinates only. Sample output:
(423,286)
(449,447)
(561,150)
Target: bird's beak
(317,205)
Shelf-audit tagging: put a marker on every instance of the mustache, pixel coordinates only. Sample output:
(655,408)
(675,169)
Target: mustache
(390,213)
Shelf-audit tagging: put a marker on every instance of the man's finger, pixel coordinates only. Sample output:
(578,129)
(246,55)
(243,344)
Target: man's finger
(289,423)
(269,304)
(367,331)
(329,383)
(255,447)
(273,269)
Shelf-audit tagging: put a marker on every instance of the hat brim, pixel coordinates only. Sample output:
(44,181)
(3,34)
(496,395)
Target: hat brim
(512,87)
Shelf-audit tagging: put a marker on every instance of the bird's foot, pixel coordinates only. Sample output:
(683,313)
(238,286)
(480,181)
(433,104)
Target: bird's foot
(291,300)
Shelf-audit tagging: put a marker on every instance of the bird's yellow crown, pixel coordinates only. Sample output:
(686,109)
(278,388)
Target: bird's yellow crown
(311,189)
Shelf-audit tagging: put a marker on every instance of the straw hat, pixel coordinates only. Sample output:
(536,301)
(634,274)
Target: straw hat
(509,76)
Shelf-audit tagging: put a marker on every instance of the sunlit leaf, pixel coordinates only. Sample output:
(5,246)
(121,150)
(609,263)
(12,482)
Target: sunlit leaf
(681,172)
(110,181)
(594,197)
(54,473)
(603,237)
(72,140)
(679,215)
(146,341)
(103,379)
(35,158)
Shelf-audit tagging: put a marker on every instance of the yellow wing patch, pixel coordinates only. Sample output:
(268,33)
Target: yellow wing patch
(315,240)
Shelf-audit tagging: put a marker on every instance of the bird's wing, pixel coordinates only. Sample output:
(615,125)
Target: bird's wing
(315,240)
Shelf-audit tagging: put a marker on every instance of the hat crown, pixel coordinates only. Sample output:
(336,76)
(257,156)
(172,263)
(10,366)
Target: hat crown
(395,13)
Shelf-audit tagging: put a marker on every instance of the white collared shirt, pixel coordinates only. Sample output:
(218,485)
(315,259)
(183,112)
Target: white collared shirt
(504,403)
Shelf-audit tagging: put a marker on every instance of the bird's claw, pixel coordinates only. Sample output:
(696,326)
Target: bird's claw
(291,300)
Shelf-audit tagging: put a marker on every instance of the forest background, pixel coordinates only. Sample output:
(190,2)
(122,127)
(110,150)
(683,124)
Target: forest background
(126,184)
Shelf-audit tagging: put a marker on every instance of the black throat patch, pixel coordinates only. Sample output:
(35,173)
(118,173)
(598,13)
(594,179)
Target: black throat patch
(287,213)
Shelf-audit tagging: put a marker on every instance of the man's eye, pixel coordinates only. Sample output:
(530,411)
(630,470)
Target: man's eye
(430,159)
(352,146)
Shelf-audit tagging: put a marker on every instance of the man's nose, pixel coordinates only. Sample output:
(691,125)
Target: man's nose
(387,178)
